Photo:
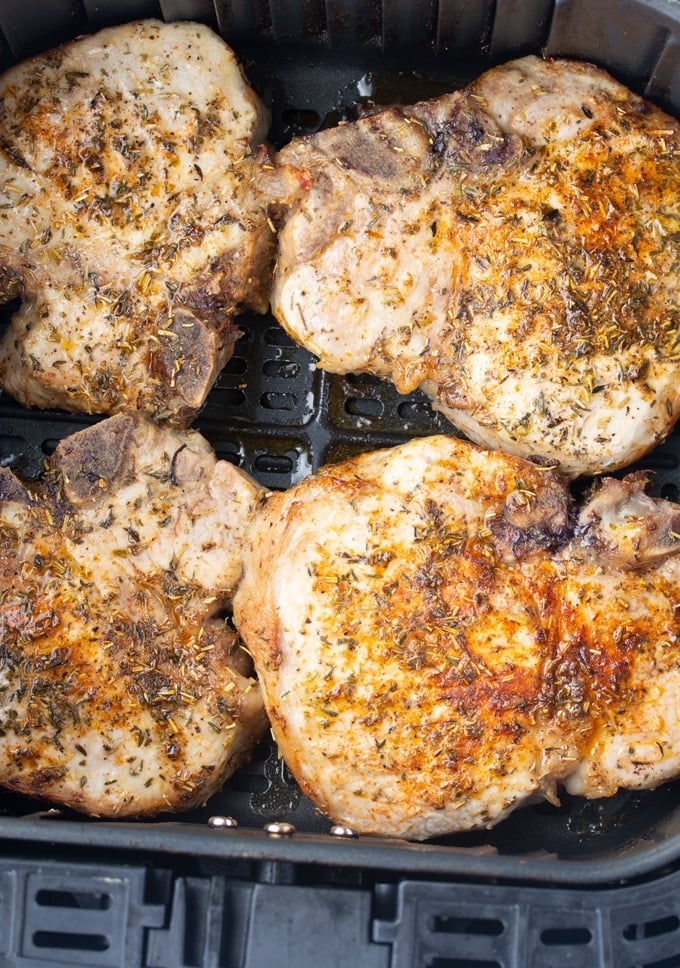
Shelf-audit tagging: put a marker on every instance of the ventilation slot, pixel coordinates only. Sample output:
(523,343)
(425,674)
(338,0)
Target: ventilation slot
(237,365)
(566,936)
(414,410)
(363,402)
(49,445)
(366,407)
(227,451)
(273,400)
(462,963)
(73,923)
(273,464)
(360,401)
(416,416)
(652,929)
(275,336)
(66,941)
(276,468)
(672,962)
(281,369)
(67,899)
(473,941)
(484,926)
(232,396)
(299,121)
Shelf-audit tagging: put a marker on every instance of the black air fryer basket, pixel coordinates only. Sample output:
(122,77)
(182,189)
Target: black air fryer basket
(257,876)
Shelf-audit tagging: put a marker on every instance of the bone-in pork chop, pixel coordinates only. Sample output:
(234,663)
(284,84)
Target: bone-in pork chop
(122,690)
(130,222)
(440,635)
(511,248)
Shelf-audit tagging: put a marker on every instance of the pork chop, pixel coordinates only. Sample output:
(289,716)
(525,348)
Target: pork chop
(130,220)
(512,249)
(123,691)
(440,636)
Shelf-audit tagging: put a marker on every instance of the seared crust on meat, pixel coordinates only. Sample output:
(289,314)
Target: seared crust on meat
(439,636)
(511,248)
(123,691)
(131,220)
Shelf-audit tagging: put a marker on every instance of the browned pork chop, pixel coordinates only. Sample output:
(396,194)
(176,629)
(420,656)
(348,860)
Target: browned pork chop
(130,221)
(511,248)
(123,692)
(440,636)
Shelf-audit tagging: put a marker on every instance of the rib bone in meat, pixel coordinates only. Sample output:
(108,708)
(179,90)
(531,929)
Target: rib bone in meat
(441,635)
(122,690)
(130,220)
(512,249)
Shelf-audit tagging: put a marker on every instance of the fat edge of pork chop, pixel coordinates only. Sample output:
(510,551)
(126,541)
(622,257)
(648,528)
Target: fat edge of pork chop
(440,637)
(122,690)
(511,249)
(132,223)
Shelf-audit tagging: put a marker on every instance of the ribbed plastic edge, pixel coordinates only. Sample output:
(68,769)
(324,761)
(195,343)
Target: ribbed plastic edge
(83,915)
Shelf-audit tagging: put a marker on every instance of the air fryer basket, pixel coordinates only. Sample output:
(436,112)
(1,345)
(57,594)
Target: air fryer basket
(277,416)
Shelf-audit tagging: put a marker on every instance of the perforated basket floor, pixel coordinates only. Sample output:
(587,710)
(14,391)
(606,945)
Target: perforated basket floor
(275,414)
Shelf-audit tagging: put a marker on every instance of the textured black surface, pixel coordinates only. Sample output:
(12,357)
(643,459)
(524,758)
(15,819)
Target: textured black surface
(136,917)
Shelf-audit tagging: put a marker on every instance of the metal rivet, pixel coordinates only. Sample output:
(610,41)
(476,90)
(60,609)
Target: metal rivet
(219,822)
(339,831)
(281,829)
